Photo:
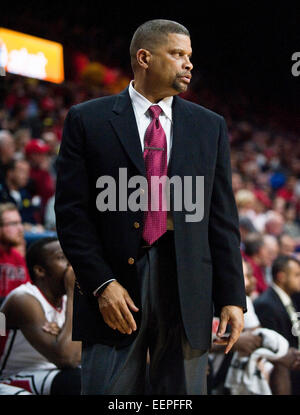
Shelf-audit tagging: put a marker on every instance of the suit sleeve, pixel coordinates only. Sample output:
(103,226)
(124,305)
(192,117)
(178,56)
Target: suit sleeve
(75,228)
(224,235)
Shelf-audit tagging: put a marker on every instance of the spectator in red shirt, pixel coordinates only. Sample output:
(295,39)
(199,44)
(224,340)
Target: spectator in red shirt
(287,192)
(37,153)
(13,269)
(257,254)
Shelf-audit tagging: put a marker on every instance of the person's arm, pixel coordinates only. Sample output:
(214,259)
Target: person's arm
(25,313)
(291,359)
(280,380)
(224,239)
(75,227)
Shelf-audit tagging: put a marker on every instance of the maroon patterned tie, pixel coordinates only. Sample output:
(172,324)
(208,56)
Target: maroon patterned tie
(155,156)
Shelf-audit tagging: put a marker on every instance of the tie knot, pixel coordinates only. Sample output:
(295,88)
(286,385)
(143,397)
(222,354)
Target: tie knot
(155,111)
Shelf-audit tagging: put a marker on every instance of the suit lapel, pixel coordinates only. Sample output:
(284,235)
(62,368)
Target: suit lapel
(187,140)
(124,124)
(276,300)
(186,135)
(177,156)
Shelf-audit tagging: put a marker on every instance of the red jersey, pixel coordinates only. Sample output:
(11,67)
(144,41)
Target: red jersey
(13,270)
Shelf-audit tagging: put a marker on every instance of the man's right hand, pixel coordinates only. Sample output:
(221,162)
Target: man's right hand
(114,303)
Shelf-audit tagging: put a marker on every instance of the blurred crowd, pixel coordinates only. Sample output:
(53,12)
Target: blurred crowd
(265,159)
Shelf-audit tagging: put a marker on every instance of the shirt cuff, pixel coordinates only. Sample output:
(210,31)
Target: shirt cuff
(102,286)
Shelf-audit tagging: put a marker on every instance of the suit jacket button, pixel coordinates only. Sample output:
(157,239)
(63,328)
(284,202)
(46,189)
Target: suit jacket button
(130,261)
(142,191)
(136,225)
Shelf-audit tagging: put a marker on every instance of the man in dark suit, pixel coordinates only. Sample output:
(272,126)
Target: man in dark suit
(276,311)
(146,279)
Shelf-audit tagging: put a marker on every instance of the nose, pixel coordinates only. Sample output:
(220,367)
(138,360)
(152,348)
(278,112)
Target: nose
(188,64)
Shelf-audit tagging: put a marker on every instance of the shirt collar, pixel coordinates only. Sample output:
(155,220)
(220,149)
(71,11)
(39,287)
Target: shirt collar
(284,297)
(142,104)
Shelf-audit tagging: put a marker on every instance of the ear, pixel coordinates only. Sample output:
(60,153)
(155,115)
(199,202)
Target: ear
(281,276)
(39,271)
(143,57)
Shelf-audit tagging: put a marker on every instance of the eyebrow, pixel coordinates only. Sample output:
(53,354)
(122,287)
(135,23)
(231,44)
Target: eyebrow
(180,50)
(58,251)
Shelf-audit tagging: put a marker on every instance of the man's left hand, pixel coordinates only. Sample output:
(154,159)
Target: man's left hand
(233,315)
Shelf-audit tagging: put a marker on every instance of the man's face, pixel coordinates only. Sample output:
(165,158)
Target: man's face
(250,281)
(11,228)
(237,182)
(7,149)
(292,278)
(287,245)
(56,266)
(170,67)
(39,160)
(264,256)
(20,174)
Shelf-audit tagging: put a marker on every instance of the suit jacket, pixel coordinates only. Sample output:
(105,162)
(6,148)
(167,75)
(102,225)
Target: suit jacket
(273,315)
(100,136)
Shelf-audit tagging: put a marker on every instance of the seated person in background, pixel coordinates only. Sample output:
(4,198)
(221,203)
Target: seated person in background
(14,190)
(43,185)
(287,244)
(248,343)
(276,311)
(13,269)
(256,253)
(34,358)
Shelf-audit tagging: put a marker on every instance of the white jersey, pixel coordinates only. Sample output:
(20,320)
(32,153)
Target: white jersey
(16,353)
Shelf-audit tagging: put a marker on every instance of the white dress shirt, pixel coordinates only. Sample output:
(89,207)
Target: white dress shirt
(140,106)
(284,297)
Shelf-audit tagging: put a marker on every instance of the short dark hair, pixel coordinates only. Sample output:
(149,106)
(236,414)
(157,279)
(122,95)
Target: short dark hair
(11,165)
(36,255)
(152,33)
(252,243)
(281,263)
